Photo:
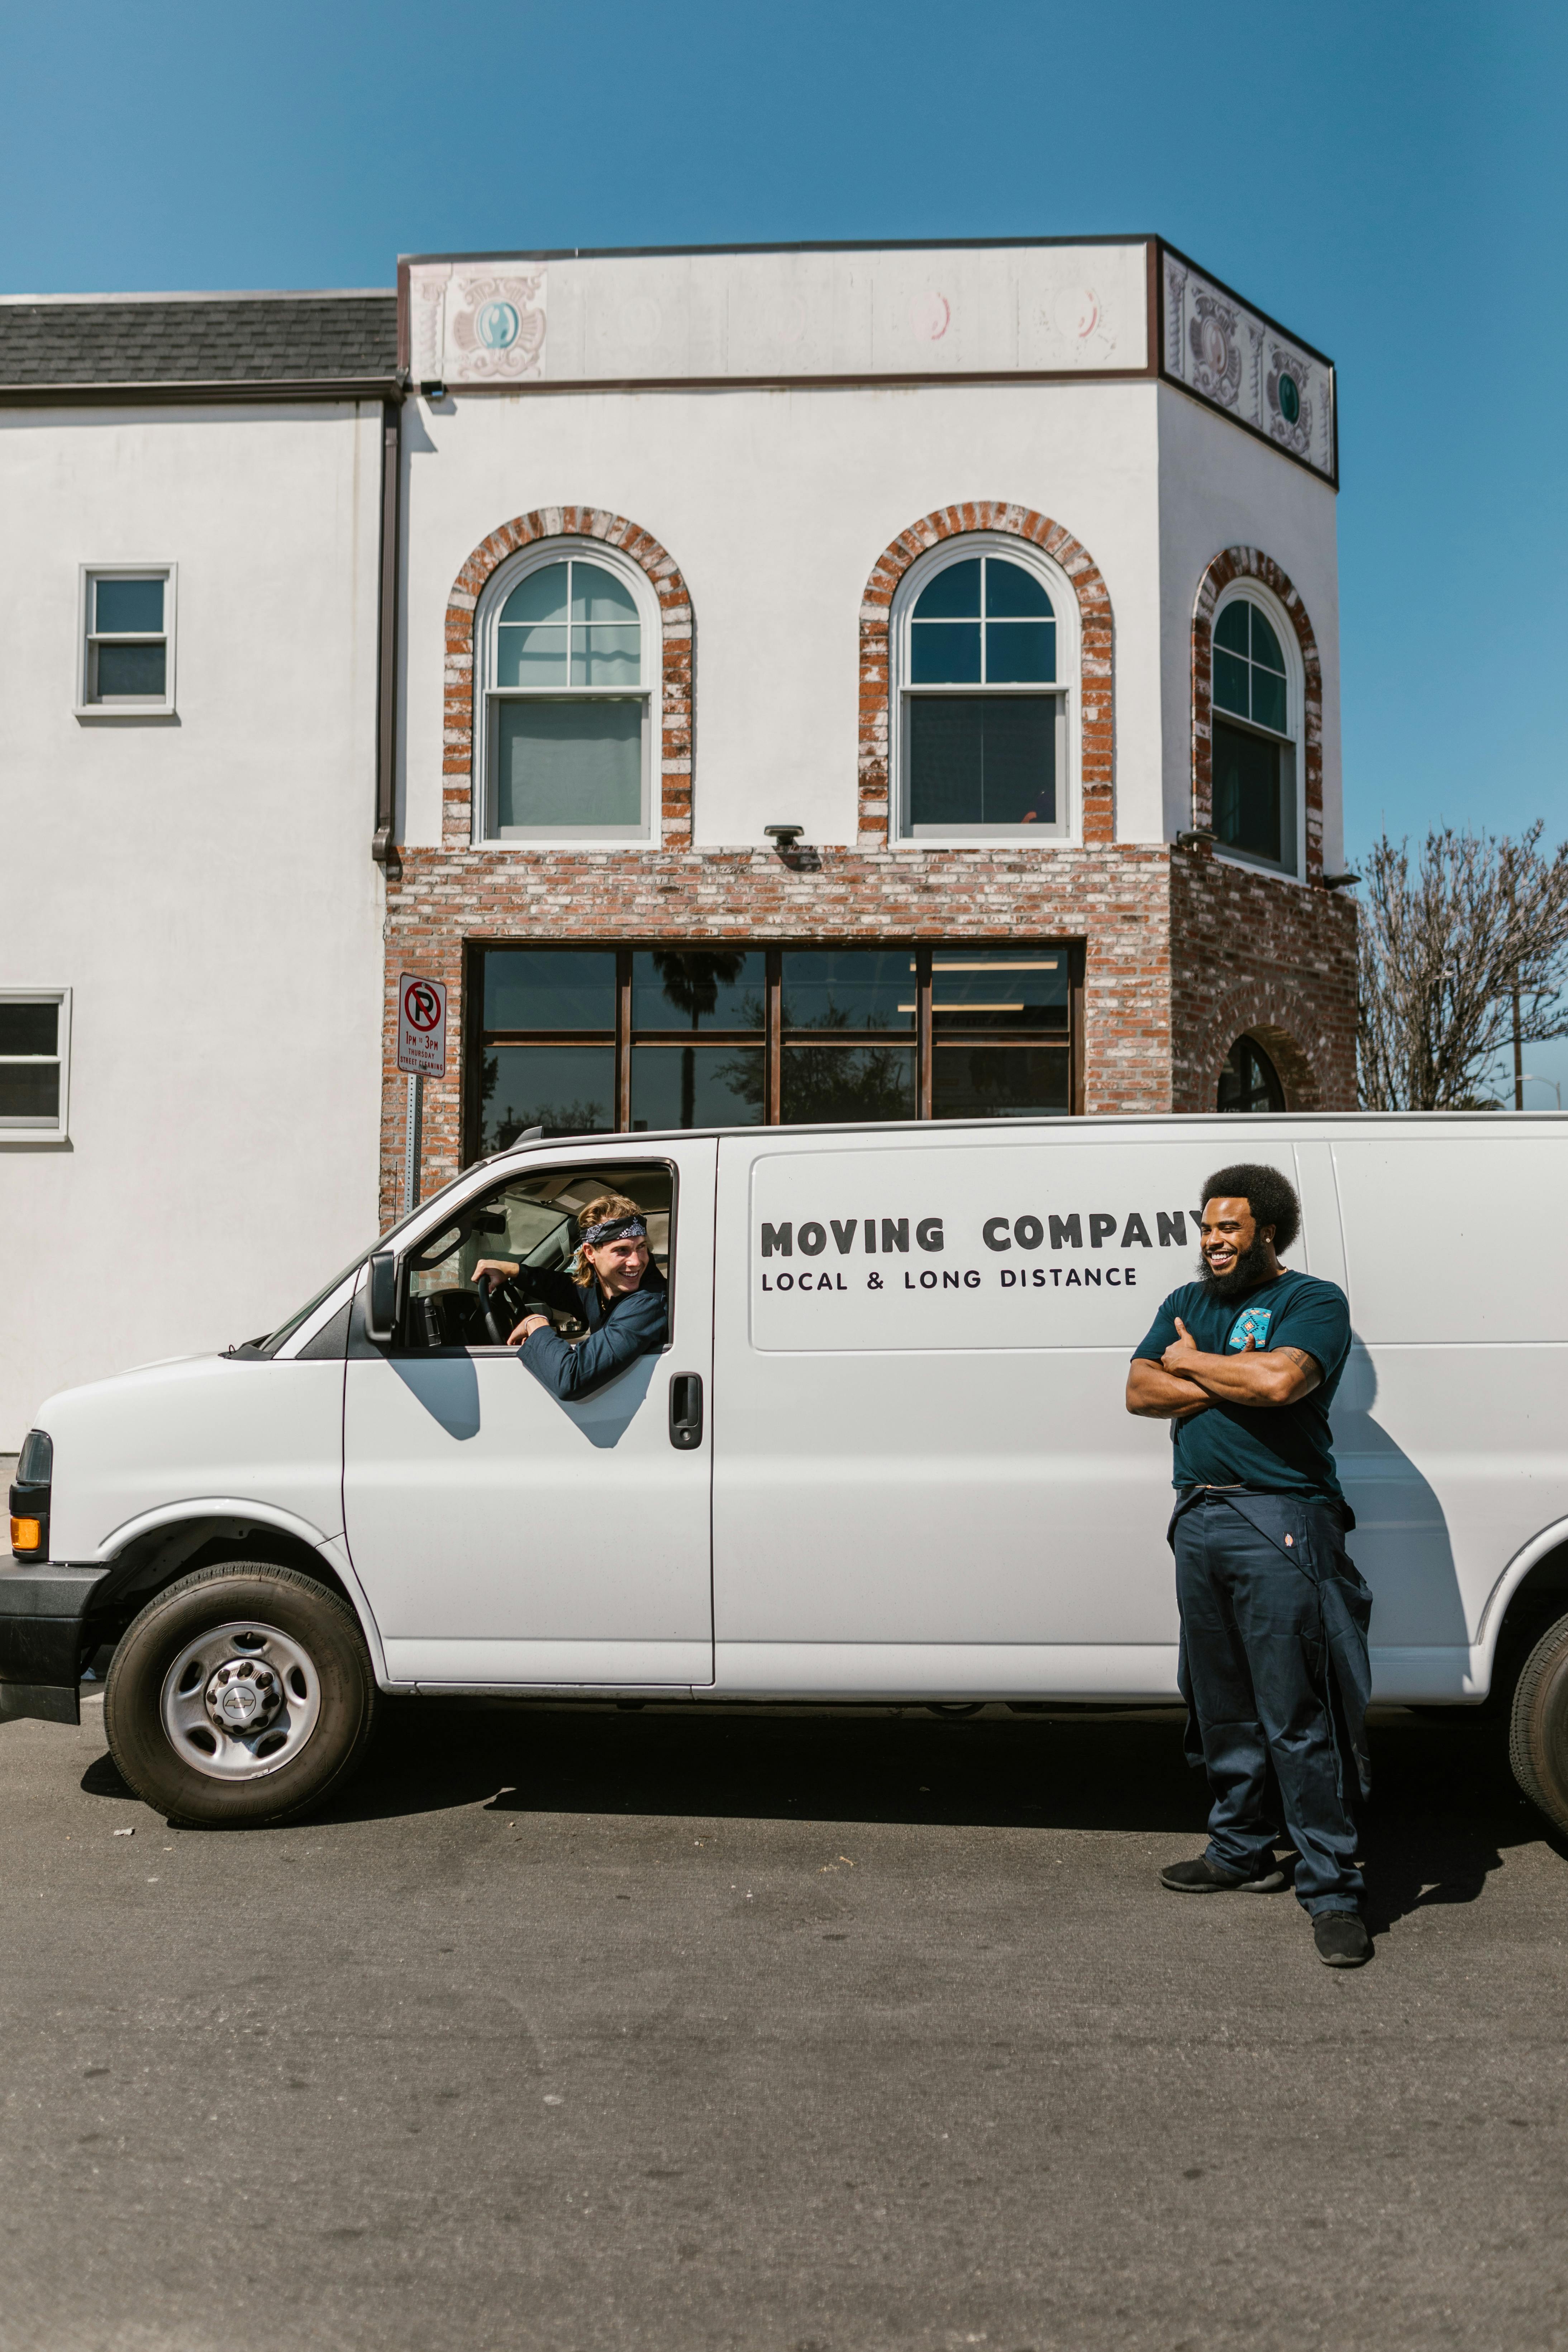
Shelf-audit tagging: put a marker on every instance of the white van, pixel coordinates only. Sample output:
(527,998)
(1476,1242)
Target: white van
(884,1456)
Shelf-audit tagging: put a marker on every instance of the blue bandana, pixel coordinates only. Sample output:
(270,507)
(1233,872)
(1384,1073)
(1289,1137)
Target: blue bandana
(614,1229)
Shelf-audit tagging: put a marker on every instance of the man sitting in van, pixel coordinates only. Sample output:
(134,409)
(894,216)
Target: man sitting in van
(1244,1362)
(613,1285)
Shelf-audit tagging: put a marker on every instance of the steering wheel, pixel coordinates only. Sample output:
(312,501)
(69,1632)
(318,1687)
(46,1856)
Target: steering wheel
(496,1287)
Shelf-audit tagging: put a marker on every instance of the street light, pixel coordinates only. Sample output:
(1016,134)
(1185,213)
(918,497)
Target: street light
(1529,1078)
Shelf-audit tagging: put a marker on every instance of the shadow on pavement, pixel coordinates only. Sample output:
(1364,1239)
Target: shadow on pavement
(1445,1807)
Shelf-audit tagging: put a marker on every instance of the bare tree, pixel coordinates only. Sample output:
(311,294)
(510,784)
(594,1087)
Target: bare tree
(1458,961)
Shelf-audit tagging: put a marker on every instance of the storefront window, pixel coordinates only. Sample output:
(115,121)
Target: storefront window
(597,1040)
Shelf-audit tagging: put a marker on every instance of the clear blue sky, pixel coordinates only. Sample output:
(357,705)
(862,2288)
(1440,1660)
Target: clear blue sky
(1390,179)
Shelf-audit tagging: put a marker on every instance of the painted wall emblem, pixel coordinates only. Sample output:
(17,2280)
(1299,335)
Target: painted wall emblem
(471,326)
(1215,349)
(1229,355)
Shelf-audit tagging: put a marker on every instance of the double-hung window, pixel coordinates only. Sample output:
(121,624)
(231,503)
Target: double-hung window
(34,1063)
(127,654)
(567,645)
(982,650)
(1253,742)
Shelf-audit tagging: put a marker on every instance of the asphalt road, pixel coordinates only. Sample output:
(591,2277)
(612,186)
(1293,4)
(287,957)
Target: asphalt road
(584,2029)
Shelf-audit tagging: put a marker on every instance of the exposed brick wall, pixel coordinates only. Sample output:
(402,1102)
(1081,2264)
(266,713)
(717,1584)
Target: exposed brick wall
(677,653)
(1096,683)
(1253,956)
(1250,563)
(1117,900)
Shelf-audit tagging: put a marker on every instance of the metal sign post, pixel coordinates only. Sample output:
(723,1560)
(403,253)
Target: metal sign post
(421,1054)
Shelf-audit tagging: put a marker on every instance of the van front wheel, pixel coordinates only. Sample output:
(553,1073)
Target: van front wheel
(240,1696)
(1538,1730)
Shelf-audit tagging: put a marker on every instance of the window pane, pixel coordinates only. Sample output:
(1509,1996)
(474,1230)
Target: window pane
(1249,1081)
(1230,682)
(1011,592)
(848,988)
(1265,643)
(570,1089)
(29,1090)
(531,657)
(698,988)
(541,597)
(998,988)
(30,1028)
(1020,653)
(1230,629)
(944,653)
(831,1082)
(550,988)
(975,761)
(568,763)
(599,595)
(998,1081)
(1269,699)
(130,669)
(697,1085)
(133,606)
(954,595)
(1247,792)
(606,656)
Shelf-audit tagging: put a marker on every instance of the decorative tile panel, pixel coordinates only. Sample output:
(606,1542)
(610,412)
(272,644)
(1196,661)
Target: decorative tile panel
(1244,365)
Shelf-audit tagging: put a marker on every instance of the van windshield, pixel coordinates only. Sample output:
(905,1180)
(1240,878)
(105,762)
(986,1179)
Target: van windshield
(285,1331)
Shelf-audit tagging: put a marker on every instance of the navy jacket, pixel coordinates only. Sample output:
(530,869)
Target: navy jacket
(635,1324)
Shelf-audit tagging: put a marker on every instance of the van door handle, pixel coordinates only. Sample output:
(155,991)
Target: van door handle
(686,1411)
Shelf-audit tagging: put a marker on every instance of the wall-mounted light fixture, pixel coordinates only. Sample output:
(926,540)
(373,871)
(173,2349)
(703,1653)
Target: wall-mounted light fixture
(434,390)
(783,836)
(1196,837)
(1340,881)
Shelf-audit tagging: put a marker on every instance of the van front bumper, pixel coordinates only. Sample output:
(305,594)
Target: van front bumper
(43,1613)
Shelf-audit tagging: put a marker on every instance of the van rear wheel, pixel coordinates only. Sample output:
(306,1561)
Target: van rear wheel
(1538,1728)
(240,1696)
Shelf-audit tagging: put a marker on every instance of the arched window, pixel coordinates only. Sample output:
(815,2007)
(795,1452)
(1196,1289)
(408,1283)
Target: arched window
(566,648)
(984,645)
(1249,1081)
(1256,699)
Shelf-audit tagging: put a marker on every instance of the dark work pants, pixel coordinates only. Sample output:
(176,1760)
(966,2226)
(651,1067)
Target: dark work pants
(1259,1672)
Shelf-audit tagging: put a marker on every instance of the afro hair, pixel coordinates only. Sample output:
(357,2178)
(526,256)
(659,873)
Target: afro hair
(1270,1196)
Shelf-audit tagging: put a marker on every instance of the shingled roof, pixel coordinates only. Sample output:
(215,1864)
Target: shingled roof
(101,344)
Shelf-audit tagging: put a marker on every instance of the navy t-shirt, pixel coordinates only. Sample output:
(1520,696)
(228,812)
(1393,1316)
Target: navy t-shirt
(1281,1449)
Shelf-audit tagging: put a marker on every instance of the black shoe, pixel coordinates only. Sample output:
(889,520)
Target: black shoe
(1201,1877)
(1341,1941)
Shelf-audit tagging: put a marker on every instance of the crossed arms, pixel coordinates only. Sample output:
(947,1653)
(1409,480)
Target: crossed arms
(1187,1382)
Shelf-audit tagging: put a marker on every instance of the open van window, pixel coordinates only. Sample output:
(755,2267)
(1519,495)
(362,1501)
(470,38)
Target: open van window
(530,1219)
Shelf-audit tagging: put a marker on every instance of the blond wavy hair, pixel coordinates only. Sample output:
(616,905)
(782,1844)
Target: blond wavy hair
(605,1210)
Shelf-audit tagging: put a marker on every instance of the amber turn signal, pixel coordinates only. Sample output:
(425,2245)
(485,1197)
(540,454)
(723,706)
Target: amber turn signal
(27,1535)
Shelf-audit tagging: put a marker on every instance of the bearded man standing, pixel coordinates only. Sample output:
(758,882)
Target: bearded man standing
(1243,1363)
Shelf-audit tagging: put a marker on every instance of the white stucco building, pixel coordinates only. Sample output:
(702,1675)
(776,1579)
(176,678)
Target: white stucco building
(481,630)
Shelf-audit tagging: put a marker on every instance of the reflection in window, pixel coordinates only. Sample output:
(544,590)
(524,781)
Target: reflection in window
(1253,756)
(567,705)
(994,755)
(579,1040)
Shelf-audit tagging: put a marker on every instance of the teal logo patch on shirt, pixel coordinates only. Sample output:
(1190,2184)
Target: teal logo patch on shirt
(1253,1325)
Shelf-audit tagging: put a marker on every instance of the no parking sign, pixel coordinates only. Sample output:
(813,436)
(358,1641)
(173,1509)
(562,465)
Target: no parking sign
(421,1027)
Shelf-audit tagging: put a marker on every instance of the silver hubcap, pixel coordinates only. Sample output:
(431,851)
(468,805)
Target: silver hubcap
(240,1701)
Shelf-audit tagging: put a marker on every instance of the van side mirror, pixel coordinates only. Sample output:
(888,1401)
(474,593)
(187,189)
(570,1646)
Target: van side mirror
(381,1298)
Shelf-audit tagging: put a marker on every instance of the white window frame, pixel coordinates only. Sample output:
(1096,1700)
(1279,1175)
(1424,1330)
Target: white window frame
(487,694)
(1252,592)
(139,706)
(41,1130)
(1067,689)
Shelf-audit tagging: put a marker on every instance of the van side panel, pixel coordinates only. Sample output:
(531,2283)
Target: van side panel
(1451,1424)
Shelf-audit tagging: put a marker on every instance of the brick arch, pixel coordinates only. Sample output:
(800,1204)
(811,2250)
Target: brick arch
(1286,1022)
(1250,563)
(1097,698)
(676,664)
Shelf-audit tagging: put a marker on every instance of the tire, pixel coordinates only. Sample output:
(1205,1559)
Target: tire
(1538,1727)
(239,1698)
